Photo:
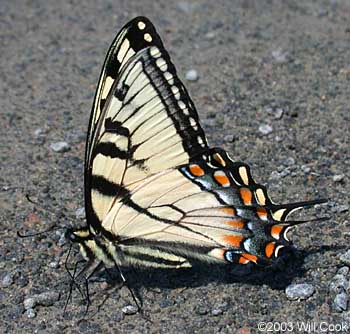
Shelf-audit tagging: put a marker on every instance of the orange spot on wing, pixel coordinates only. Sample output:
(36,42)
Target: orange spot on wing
(235,223)
(276,231)
(222,179)
(269,248)
(262,213)
(243,260)
(218,158)
(249,257)
(229,211)
(196,170)
(246,196)
(233,240)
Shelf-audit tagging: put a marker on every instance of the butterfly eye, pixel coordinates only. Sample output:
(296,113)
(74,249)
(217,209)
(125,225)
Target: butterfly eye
(69,235)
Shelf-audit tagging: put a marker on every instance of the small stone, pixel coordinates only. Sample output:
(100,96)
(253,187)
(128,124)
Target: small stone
(338,178)
(289,161)
(343,271)
(215,312)
(191,75)
(60,146)
(284,172)
(30,313)
(39,132)
(265,129)
(278,139)
(7,280)
(278,113)
(346,316)
(280,56)
(341,301)
(62,240)
(305,169)
(185,6)
(201,310)
(345,257)
(219,309)
(299,291)
(339,283)
(229,138)
(210,35)
(44,299)
(275,175)
(54,264)
(129,309)
(29,303)
(341,208)
(80,213)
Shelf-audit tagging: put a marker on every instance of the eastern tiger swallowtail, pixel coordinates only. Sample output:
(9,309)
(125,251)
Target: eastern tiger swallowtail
(155,193)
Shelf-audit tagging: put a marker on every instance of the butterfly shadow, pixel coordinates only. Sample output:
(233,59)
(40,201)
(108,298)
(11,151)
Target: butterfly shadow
(277,276)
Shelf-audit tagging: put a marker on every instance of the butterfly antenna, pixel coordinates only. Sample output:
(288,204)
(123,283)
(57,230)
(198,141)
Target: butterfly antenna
(52,228)
(49,229)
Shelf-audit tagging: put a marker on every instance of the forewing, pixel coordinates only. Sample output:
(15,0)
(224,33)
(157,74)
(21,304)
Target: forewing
(148,124)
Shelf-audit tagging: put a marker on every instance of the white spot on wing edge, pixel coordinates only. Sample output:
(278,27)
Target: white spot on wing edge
(181,105)
(176,92)
(169,77)
(123,50)
(141,25)
(277,215)
(147,37)
(154,51)
(243,174)
(162,65)
(107,87)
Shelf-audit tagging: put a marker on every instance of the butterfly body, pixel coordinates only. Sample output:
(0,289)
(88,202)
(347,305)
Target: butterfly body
(156,194)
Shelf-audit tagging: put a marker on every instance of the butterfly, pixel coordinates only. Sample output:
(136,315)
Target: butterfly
(156,194)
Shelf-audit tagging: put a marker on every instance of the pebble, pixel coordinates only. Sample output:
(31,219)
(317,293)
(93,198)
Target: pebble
(44,299)
(278,139)
(265,129)
(305,169)
(278,113)
(338,178)
(54,264)
(30,313)
(192,75)
(80,213)
(340,208)
(275,175)
(341,301)
(7,280)
(280,56)
(299,291)
(346,316)
(185,6)
(216,311)
(339,283)
(39,132)
(219,309)
(62,240)
(345,257)
(229,138)
(343,271)
(289,161)
(60,146)
(129,309)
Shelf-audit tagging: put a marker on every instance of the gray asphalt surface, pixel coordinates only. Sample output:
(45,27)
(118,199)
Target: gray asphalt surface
(285,64)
